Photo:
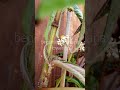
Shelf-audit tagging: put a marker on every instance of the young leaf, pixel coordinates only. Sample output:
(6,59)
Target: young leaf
(81,36)
(49,25)
(73,80)
(79,14)
(78,29)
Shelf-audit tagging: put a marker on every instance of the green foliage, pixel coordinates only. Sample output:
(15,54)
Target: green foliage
(52,16)
(79,14)
(73,61)
(58,81)
(46,7)
(81,34)
(60,54)
(74,81)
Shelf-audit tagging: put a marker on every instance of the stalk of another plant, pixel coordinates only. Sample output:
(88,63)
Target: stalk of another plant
(53,32)
(44,79)
(70,69)
(65,52)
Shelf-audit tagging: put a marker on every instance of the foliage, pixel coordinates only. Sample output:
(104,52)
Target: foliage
(71,80)
(79,14)
(55,8)
(46,7)
(74,81)
(52,16)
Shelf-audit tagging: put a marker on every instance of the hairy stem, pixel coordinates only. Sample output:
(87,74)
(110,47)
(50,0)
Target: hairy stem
(65,52)
(77,68)
(53,30)
(69,69)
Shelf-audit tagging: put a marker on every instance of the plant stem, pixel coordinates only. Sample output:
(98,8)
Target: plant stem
(53,30)
(67,67)
(65,52)
(70,56)
(77,68)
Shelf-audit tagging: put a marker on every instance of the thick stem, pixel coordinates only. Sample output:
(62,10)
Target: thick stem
(53,32)
(49,51)
(77,68)
(69,69)
(65,53)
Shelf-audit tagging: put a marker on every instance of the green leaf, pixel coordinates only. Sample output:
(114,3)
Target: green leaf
(79,14)
(81,35)
(49,25)
(47,6)
(75,81)
(70,80)
(73,61)
(78,29)
(59,80)
(58,29)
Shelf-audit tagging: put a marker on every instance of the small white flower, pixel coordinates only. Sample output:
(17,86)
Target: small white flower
(63,40)
(59,43)
(82,48)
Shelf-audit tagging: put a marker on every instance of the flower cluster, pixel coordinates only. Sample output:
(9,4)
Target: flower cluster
(82,47)
(64,40)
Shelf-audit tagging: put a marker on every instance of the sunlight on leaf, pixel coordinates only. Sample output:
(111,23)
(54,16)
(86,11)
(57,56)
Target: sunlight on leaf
(46,7)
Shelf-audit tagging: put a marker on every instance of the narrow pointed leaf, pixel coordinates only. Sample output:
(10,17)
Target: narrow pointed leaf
(75,81)
(49,25)
(103,11)
(110,25)
(79,14)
